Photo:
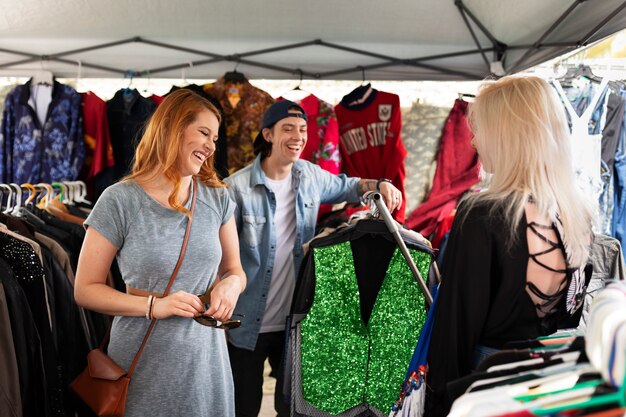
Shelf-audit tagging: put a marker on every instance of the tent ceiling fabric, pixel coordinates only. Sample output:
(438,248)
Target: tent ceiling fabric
(404,30)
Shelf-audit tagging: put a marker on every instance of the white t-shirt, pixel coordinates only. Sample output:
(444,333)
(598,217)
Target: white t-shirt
(40,99)
(283,275)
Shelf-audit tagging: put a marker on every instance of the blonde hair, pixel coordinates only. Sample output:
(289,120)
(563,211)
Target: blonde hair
(521,133)
(160,145)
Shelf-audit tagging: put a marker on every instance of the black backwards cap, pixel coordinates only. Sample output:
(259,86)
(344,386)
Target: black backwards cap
(277,112)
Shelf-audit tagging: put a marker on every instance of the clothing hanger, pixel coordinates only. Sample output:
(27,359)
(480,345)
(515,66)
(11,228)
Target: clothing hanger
(394,229)
(78,190)
(462,96)
(360,94)
(130,75)
(145,90)
(18,199)
(9,207)
(44,199)
(83,193)
(586,400)
(79,74)
(62,196)
(32,192)
(234,76)
(580,71)
(296,93)
(43,77)
(183,75)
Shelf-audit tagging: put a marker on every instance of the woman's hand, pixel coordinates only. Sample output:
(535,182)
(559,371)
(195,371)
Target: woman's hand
(180,303)
(224,296)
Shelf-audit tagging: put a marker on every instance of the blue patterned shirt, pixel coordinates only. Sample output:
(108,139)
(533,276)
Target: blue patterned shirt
(32,153)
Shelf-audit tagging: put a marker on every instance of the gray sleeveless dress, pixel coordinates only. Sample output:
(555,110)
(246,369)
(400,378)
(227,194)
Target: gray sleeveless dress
(184,369)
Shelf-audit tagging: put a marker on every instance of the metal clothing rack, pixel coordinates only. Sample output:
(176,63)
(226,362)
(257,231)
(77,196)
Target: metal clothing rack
(392,225)
(492,68)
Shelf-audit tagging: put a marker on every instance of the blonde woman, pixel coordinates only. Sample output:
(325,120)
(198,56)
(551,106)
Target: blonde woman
(515,266)
(184,369)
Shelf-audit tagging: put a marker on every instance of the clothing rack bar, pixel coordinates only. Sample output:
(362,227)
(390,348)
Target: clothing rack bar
(395,231)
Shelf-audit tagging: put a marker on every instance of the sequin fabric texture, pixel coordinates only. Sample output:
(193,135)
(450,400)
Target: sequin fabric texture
(344,362)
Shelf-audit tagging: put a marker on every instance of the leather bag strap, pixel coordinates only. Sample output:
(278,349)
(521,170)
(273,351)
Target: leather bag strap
(169,285)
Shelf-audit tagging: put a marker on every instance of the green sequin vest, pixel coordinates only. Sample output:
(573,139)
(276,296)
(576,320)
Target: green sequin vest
(345,363)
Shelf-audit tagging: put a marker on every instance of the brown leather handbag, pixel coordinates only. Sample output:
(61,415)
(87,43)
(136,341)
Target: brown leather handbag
(103,385)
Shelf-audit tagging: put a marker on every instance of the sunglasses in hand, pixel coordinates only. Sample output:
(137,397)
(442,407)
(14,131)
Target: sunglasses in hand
(210,321)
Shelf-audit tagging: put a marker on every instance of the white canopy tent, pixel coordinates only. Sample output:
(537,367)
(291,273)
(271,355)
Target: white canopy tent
(278,39)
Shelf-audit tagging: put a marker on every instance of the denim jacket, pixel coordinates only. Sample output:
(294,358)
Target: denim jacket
(256,205)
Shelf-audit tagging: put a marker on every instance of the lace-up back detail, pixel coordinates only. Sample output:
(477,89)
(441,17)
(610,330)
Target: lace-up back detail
(547,273)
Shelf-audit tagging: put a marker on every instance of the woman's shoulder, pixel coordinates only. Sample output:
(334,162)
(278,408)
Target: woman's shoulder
(482,214)
(479,208)
(123,191)
(211,195)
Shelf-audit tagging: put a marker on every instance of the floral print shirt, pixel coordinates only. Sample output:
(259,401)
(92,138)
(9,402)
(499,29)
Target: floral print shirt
(242,119)
(32,153)
(322,146)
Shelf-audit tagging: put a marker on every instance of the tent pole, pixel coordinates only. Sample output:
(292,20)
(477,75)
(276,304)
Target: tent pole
(459,5)
(233,57)
(35,58)
(537,45)
(462,74)
(600,25)
(391,61)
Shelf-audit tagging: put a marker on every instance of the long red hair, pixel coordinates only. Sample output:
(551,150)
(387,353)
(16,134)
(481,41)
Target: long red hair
(159,148)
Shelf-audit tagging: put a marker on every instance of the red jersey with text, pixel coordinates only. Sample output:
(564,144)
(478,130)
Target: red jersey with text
(370,142)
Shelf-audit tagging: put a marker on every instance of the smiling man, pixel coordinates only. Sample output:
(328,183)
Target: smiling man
(278,197)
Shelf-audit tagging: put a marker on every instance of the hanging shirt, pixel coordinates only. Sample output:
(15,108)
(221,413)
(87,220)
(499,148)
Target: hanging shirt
(128,113)
(99,157)
(421,130)
(244,106)
(370,141)
(586,140)
(99,150)
(482,299)
(322,144)
(457,170)
(32,152)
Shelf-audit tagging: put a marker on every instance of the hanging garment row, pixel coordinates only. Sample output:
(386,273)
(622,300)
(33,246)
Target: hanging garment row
(42,117)
(561,375)
(595,108)
(46,336)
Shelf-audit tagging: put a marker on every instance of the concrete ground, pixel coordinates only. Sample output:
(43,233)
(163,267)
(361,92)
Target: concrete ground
(267,406)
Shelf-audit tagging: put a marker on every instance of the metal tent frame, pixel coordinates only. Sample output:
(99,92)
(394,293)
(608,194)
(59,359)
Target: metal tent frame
(499,50)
